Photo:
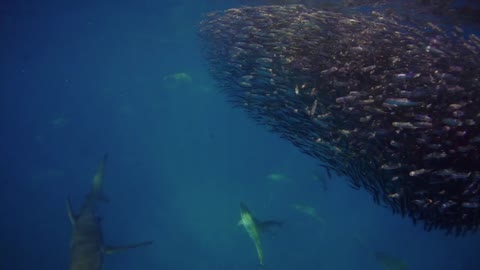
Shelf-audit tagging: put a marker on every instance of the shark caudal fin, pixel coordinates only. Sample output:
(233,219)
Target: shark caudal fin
(97,182)
(114,249)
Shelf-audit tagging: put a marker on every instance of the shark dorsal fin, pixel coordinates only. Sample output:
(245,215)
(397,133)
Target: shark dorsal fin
(71,216)
(97,182)
(114,249)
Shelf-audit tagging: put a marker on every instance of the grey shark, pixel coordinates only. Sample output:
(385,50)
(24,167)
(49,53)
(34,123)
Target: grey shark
(87,249)
(254,228)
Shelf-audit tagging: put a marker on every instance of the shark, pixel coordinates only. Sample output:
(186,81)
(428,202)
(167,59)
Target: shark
(254,228)
(309,210)
(87,248)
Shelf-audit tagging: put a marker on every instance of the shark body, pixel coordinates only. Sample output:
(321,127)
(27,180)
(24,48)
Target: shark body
(254,228)
(87,248)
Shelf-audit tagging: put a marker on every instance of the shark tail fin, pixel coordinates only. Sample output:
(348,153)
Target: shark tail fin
(114,249)
(71,216)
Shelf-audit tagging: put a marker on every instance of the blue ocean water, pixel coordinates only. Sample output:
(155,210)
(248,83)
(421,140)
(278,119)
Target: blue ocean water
(127,78)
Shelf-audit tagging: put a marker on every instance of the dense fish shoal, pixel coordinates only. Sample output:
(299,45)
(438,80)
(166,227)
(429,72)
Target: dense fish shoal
(394,106)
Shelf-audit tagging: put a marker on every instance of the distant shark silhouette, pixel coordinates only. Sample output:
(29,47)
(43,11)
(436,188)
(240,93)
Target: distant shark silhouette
(254,227)
(87,248)
(390,262)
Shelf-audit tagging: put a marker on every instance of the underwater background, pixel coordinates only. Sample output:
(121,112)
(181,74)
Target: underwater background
(127,78)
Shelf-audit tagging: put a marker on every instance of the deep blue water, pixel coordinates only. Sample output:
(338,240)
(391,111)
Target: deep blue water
(78,79)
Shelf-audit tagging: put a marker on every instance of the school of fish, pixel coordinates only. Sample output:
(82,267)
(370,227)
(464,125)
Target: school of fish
(392,105)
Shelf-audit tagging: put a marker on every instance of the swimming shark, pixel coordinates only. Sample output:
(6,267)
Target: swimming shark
(309,210)
(87,248)
(254,227)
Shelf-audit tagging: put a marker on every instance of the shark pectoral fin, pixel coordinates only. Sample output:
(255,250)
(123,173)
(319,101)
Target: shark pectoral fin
(268,224)
(240,223)
(70,212)
(115,249)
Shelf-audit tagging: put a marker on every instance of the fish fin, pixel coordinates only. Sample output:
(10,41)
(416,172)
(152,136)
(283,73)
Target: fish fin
(101,196)
(97,182)
(70,212)
(114,249)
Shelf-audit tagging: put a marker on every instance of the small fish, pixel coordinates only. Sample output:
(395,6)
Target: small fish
(453,122)
(418,172)
(471,204)
(395,195)
(345,99)
(434,50)
(423,124)
(451,174)
(404,125)
(368,68)
(447,204)
(401,102)
(391,166)
(264,61)
(404,76)
(423,118)
(435,155)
